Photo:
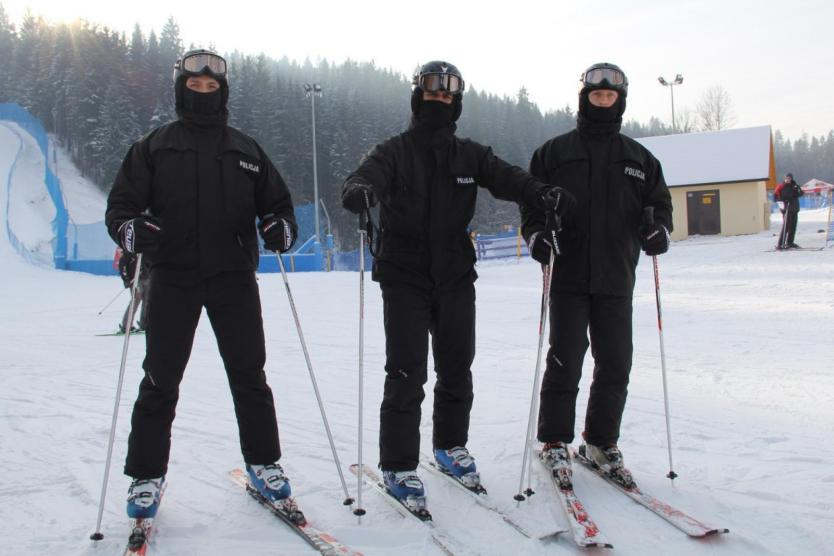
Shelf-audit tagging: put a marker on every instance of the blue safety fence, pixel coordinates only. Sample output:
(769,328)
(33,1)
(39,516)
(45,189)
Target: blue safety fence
(503,245)
(33,126)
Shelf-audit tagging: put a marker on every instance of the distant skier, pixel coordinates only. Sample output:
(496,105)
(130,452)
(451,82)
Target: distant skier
(126,264)
(613,178)
(788,192)
(426,181)
(203,184)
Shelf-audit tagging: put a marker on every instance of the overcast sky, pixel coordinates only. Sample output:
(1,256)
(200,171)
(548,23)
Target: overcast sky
(773,58)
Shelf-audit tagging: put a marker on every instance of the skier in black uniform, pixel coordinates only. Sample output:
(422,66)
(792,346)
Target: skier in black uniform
(613,179)
(426,180)
(187,196)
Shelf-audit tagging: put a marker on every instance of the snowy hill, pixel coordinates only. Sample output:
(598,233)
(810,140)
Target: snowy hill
(748,339)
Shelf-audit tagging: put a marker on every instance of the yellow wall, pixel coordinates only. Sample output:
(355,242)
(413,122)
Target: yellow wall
(744,208)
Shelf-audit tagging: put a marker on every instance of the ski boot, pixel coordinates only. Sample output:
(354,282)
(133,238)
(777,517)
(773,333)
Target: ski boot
(407,487)
(270,481)
(143,497)
(460,464)
(556,458)
(609,460)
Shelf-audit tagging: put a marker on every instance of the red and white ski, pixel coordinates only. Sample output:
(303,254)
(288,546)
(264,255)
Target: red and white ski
(324,542)
(675,517)
(586,534)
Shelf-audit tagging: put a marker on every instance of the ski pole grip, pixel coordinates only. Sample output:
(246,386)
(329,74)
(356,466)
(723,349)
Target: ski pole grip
(363,220)
(648,215)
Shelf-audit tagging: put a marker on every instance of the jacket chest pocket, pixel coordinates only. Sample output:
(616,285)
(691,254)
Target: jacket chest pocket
(175,175)
(241,172)
(571,174)
(464,194)
(627,186)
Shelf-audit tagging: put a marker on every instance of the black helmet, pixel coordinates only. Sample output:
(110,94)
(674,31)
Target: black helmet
(438,75)
(604,76)
(200,62)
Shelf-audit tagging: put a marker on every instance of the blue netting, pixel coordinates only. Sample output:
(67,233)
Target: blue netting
(16,114)
(500,246)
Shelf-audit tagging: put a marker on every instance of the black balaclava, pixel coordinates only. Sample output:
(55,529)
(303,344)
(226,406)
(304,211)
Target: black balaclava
(435,114)
(202,104)
(202,109)
(597,121)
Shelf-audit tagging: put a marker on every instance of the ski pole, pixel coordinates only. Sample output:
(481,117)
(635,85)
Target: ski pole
(527,459)
(648,217)
(348,500)
(363,221)
(97,536)
(109,303)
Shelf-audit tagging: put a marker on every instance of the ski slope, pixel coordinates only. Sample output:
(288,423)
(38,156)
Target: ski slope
(751,375)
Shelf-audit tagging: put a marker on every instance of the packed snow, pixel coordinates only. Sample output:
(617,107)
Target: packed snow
(748,335)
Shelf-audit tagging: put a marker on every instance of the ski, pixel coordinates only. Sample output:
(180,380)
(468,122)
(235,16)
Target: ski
(586,534)
(133,333)
(673,516)
(777,250)
(141,530)
(479,494)
(375,481)
(292,516)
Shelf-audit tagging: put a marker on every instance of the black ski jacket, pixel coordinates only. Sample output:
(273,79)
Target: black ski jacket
(789,193)
(207,213)
(600,241)
(427,186)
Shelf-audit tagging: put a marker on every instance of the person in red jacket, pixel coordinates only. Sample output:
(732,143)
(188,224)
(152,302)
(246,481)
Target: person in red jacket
(788,192)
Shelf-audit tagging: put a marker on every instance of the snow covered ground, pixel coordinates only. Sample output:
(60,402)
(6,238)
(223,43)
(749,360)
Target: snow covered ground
(751,374)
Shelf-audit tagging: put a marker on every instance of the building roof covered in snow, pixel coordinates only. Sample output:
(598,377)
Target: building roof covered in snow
(726,156)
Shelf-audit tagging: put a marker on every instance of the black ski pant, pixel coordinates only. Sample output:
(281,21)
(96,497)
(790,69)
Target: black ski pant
(233,306)
(411,313)
(572,316)
(786,238)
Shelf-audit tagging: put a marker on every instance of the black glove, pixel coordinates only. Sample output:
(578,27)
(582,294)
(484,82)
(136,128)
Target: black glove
(541,245)
(358,197)
(277,233)
(654,239)
(554,198)
(127,268)
(140,235)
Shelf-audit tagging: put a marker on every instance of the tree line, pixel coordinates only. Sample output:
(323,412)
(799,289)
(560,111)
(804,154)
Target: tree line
(98,90)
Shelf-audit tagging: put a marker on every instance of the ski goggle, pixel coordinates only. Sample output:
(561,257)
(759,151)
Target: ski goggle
(433,82)
(204,63)
(602,76)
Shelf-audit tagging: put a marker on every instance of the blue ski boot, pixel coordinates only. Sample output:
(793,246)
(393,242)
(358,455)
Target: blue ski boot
(460,464)
(143,497)
(406,487)
(270,481)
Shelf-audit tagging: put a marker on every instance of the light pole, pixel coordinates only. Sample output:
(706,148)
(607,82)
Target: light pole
(314,91)
(678,80)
